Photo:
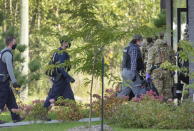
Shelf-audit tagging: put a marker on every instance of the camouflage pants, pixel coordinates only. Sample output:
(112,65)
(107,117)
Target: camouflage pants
(163,81)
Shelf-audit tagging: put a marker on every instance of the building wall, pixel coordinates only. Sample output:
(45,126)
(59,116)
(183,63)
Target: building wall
(168,20)
(163,4)
(191,20)
(191,36)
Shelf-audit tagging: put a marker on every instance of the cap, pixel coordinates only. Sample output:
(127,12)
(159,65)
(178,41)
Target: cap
(137,37)
(65,39)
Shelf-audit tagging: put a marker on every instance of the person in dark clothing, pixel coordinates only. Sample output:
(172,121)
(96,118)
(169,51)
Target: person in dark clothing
(6,75)
(132,64)
(60,78)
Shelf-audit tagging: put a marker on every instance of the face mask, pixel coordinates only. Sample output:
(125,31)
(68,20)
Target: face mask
(14,47)
(140,43)
(68,45)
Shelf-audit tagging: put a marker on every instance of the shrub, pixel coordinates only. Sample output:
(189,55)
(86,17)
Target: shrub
(64,109)
(86,111)
(181,117)
(150,112)
(68,110)
(111,103)
(35,111)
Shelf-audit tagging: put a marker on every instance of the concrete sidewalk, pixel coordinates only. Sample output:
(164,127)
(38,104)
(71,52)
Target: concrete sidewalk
(11,124)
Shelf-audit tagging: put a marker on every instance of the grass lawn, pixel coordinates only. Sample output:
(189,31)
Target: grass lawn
(62,126)
(66,125)
(5,116)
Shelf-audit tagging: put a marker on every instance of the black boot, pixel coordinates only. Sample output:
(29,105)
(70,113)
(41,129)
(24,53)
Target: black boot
(16,117)
(46,119)
(18,120)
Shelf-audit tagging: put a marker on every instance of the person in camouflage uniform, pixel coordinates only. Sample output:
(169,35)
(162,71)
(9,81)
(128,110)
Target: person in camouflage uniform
(147,45)
(162,78)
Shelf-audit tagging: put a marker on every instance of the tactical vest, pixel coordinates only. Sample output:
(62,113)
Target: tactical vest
(3,67)
(126,58)
(162,54)
(57,58)
(126,63)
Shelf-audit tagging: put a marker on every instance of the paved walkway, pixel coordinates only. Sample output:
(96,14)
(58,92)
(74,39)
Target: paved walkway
(88,119)
(11,124)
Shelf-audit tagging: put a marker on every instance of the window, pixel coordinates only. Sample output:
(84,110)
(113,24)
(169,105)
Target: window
(179,20)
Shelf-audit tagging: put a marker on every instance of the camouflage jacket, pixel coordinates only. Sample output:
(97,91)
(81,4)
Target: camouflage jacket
(158,54)
(145,50)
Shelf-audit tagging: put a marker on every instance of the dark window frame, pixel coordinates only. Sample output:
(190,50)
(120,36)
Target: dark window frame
(187,5)
(179,11)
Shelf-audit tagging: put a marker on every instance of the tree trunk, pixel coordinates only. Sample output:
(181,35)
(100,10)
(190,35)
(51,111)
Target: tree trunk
(24,38)
(39,17)
(57,15)
(39,5)
(5,15)
(91,92)
(10,7)
(16,13)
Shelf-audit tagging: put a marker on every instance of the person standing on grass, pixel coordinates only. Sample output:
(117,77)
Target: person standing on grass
(6,76)
(60,78)
(132,65)
(162,77)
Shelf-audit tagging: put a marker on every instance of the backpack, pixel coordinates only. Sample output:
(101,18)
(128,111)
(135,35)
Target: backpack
(4,77)
(2,52)
(126,58)
(162,54)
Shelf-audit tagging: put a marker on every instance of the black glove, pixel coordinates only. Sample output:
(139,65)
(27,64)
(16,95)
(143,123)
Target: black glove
(16,85)
(71,79)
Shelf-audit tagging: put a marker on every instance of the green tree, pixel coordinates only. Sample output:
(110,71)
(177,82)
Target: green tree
(92,24)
